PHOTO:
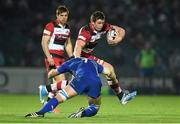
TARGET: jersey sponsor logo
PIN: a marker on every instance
(61, 37)
(61, 31)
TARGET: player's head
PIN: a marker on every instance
(62, 14)
(98, 20)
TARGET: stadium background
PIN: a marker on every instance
(158, 22)
(22, 63)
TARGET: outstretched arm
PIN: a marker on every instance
(62, 69)
(52, 73)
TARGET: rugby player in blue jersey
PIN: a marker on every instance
(86, 80)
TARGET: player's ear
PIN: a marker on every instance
(92, 22)
(56, 15)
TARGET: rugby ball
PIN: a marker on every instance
(115, 37)
(111, 36)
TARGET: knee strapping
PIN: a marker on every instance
(63, 94)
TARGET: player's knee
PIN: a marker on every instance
(96, 101)
(62, 96)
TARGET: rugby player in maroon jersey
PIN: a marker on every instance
(87, 40)
(55, 41)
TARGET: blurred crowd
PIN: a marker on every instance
(154, 21)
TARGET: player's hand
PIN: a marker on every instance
(115, 35)
(52, 73)
(50, 60)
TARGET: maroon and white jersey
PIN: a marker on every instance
(91, 36)
(59, 35)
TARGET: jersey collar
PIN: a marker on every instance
(58, 23)
(92, 28)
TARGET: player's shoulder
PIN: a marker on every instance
(50, 24)
(86, 28)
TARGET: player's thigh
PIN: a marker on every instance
(58, 62)
(108, 65)
(94, 87)
(102, 62)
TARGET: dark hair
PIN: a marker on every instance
(97, 15)
(60, 9)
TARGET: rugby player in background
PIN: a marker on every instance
(55, 40)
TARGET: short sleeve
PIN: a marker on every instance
(84, 35)
(48, 30)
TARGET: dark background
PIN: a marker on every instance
(156, 21)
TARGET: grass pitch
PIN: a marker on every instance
(143, 109)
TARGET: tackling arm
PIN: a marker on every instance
(61, 69)
(52, 73)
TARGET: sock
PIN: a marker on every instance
(120, 95)
(48, 87)
(52, 103)
(116, 88)
(90, 111)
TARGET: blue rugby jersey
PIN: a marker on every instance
(81, 67)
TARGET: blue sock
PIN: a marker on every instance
(90, 111)
(52, 103)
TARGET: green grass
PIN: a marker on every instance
(143, 109)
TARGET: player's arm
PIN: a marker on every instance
(44, 44)
(120, 33)
(52, 73)
(62, 69)
(45, 41)
(68, 47)
(78, 48)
